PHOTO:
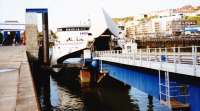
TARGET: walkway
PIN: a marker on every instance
(181, 60)
(17, 91)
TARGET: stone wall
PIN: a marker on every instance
(31, 33)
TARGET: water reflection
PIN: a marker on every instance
(150, 103)
(63, 92)
(109, 95)
(43, 89)
(147, 83)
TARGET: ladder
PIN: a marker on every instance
(170, 92)
(101, 67)
(164, 88)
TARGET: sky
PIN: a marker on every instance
(69, 12)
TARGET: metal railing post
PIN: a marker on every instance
(168, 88)
(166, 56)
(174, 58)
(155, 54)
(134, 53)
(160, 59)
(194, 59)
(140, 57)
(118, 56)
(159, 75)
(148, 56)
(179, 55)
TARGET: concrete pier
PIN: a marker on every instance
(17, 92)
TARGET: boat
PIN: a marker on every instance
(78, 37)
(70, 39)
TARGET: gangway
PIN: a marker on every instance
(179, 60)
(172, 94)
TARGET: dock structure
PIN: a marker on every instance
(172, 41)
(16, 83)
(180, 60)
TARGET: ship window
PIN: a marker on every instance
(59, 29)
(63, 29)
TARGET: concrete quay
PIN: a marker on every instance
(17, 91)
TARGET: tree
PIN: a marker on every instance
(197, 18)
(53, 34)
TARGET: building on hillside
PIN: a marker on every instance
(186, 10)
(172, 25)
(144, 29)
(138, 28)
(196, 13)
(130, 29)
(192, 30)
(122, 31)
(163, 25)
(122, 23)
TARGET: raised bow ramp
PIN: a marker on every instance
(100, 22)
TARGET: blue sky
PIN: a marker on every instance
(72, 11)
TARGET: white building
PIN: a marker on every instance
(11, 29)
(122, 30)
(130, 29)
(166, 25)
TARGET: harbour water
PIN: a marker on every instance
(123, 89)
(148, 82)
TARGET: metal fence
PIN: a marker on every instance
(182, 60)
(177, 55)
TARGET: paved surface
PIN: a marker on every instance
(8, 90)
(16, 86)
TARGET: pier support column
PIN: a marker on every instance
(31, 32)
(85, 77)
(89, 74)
(45, 38)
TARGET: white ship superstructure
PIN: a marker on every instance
(74, 38)
(70, 39)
